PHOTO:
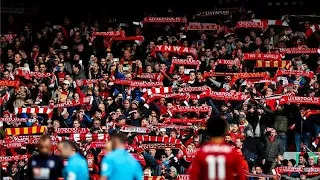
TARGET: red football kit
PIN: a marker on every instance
(217, 162)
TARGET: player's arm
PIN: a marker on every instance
(239, 169)
(71, 174)
(106, 168)
(138, 172)
(195, 167)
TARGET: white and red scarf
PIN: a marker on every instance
(38, 110)
(164, 20)
(212, 13)
(28, 74)
(109, 34)
(197, 26)
(160, 142)
(183, 177)
(309, 170)
(134, 129)
(299, 100)
(88, 136)
(72, 130)
(85, 100)
(260, 23)
(309, 74)
(173, 126)
(190, 109)
(298, 50)
(184, 62)
(228, 62)
(184, 121)
(13, 119)
(97, 144)
(135, 83)
(168, 90)
(14, 158)
(229, 96)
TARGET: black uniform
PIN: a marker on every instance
(42, 167)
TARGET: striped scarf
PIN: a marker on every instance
(25, 130)
(273, 64)
(88, 136)
(38, 110)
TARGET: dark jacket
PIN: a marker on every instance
(273, 148)
(281, 123)
(265, 121)
(254, 146)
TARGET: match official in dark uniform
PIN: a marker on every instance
(46, 165)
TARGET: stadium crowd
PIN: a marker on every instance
(158, 81)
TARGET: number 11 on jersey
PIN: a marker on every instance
(216, 167)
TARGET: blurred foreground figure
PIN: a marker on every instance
(45, 165)
(77, 166)
(119, 164)
(217, 160)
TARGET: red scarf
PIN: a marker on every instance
(72, 130)
(9, 83)
(184, 121)
(184, 62)
(175, 49)
(88, 136)
(13, 119)
(135, 84)
(189, 109)
(14, 158)
(228, 62)
(164, 20)
(299, 50)
(197, 26)
(312, 29)
(309, 74)
(256, 56)
(299, 100)
(34, 56)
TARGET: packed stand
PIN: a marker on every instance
(159, 80)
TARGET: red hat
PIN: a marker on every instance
(6, 112)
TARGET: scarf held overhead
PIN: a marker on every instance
(196, 26)
(25, 130)
(9, 83)
(164, 20)
(262, 56)
(37, 110)
(300, 100)
(175, 49)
